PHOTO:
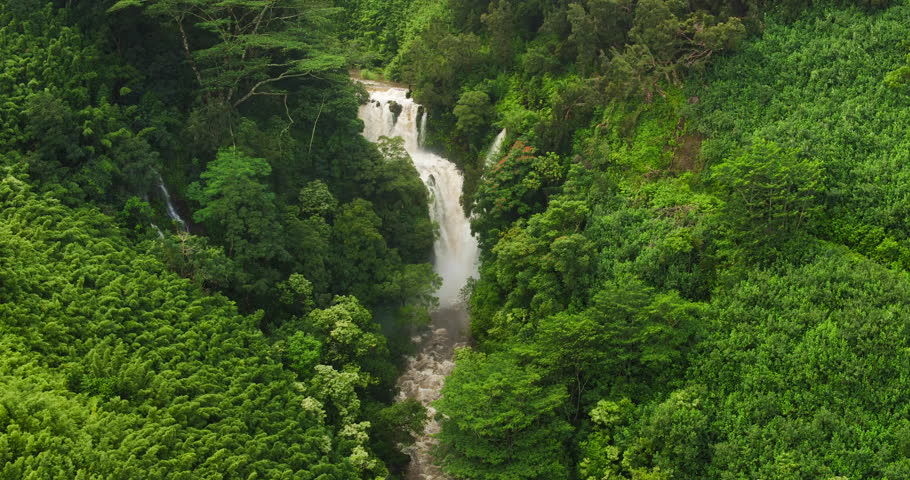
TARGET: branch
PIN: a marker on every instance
(289, 17)
(698, 55)
(287, 112)
(283, 76)
(315, 122)
(189, 53)
(257, 22)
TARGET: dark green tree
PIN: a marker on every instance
(243, 49)
(770, 195)
(361, 260)
(500, 21)
(400, 200)
(473, 112)
(394, 427)
(501, 421)
(238, 208)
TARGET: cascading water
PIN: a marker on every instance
(496, 147)
(456, 257)
(169, 205)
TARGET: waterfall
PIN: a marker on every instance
(496, 147)
(169, 205)
(456, 257)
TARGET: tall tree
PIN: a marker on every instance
(239, 209)
(500, 421)
(770, 193)
(240, 49)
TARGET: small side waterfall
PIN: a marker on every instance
(169, 205)
(496, 147)
(456, 257)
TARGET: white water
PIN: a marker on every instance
(160, 233)
(456, 256)
(493, 152)
(455, 249)
(169, 205)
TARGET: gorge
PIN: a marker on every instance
(390, 112)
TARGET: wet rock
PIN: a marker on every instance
(396, 110)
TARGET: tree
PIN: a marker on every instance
(192, 257)
(347, 333)
(500, 24)
(307, 236)
(238, 208)
(106, 353)
(631, 338)
(770, 195)
(666, 40)
(665, 440)
(437, 61)
(499, 420)
(361, 260)
(518, 186)
(81, 136)
(602, 453)
(603, 25)
(395, 427)
(466, 13)
(674, 438)
(304, 352)
(316, 199)
(777, 362)
(899, 78)
(400, 199)
(258, 47)
(473, 112)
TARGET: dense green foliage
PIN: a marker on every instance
(303, 254)
(855, 125)
(694, 245)
(114, 367)
(508, 424)
(70, 111)
(694, 241)
(550, 66)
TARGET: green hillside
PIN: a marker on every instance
(695, 240)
